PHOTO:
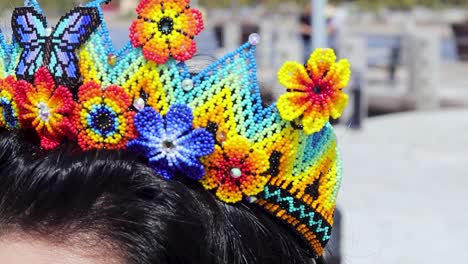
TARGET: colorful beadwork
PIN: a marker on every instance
(236, 169)
(46, 108)
(42, 46)
(9, 116)
(305, 196)
(211, 126)
(171, 145)
(4, 49)
(315, 92)
(166, 28)
(104, 119)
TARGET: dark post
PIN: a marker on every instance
(356, 90)
(333, 249)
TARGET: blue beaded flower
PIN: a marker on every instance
(170, 143)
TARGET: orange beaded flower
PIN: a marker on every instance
(236, 169)
(103, 117)
(166, 28)
(315, 92)
(9, 111)
(46, 108)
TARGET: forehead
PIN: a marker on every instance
(15, 250)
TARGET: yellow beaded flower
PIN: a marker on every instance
(236, 169)
(315, 92)
(166, 28)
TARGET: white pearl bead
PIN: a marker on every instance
(254, 39)
(139, 104)
(48, 31)
(44, 111)
(236, 173)
(187, 85)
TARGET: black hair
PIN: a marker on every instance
(117, 198)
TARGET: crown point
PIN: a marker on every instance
(254, 39)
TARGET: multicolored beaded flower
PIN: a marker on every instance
(171, 144)
(47, 109)
(104, 120)
(236, 169)
(166, 28)
(9, 109)
(315, 92)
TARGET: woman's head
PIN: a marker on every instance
(69, 206)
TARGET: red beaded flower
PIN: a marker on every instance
(236, 169)
(104, 120)
(47, 109)
(166, 28)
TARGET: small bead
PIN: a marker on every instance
(251, 199)
(236, 173)
(169, 145)
(48, 31)
(221, 136)
(139, 104)
(254, 39)
(111, 59)
(44, 111)
(187, 85)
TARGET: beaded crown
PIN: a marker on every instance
(67, 82)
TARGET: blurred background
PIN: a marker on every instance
(404, 136)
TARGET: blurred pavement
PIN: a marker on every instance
(404, 193)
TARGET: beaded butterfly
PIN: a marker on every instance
(3, 57)
(56, 48)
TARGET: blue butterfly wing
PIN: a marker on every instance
(72, 31)
(29, 32)
(3, 55)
